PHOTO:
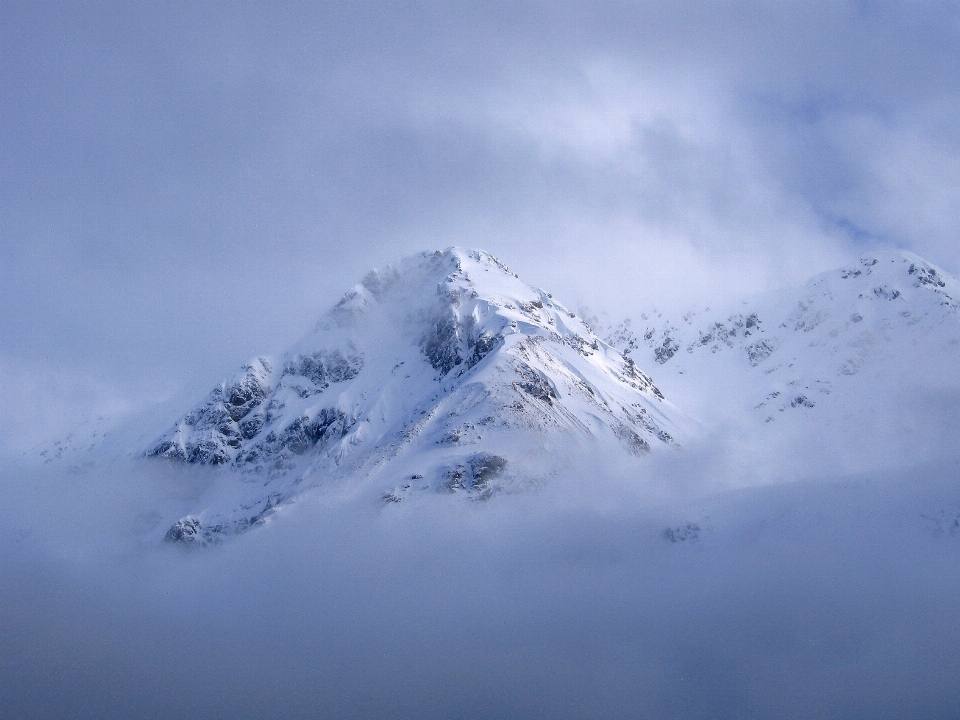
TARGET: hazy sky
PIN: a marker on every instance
(186, 185)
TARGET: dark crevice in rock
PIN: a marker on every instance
(452, 343)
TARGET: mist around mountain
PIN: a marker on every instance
(457, 498)
(442, 373)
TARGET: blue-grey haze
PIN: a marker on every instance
(183, 185)
(825, 599)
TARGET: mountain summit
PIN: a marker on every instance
(442, 373)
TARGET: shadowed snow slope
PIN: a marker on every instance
(444, 372)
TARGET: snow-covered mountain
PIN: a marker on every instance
(446, 374)
(857, 361)
(441, 373)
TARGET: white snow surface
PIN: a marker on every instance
(446, 375)
(855, 371)
(442, 373)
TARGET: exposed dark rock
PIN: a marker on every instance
(886, 292)
(190, 531)
(666, 350)
(209, 452)
(455, 479)
(535, 384)
(760, 351)
(483, 346)
(486, 467)
(184, 530)
(682, 533)
(926, 276)
(251, 426)
(324, 368)
(623, 338)
(300, 435)
(635, 444)
(218, 419)
(638, 379)
(451, 437)
(167, 449)
(530, 308)
(442, 345)
(581, 344)
(453, 343)
(807, 322)
(248, 392)
(476, 476)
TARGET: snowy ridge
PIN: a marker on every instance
(438, 373)
(445, 373)
(853, 348)
(895, 276)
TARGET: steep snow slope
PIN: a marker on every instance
(858, 365)
(444, 372)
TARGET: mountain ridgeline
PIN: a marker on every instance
(442, 373)
(854, 370)
(446, 374)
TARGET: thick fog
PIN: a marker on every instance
(184, 186)
(610, 592)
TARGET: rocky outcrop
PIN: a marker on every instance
(213, 433)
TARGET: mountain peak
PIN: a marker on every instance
(444, 367)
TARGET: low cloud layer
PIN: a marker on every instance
(593, 596)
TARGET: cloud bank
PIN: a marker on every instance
(594, 596)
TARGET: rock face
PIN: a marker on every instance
(437, 374)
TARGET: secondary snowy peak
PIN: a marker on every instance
(881, 291)
(856, 358)
(442, 372)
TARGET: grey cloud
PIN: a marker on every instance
(810, 599)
